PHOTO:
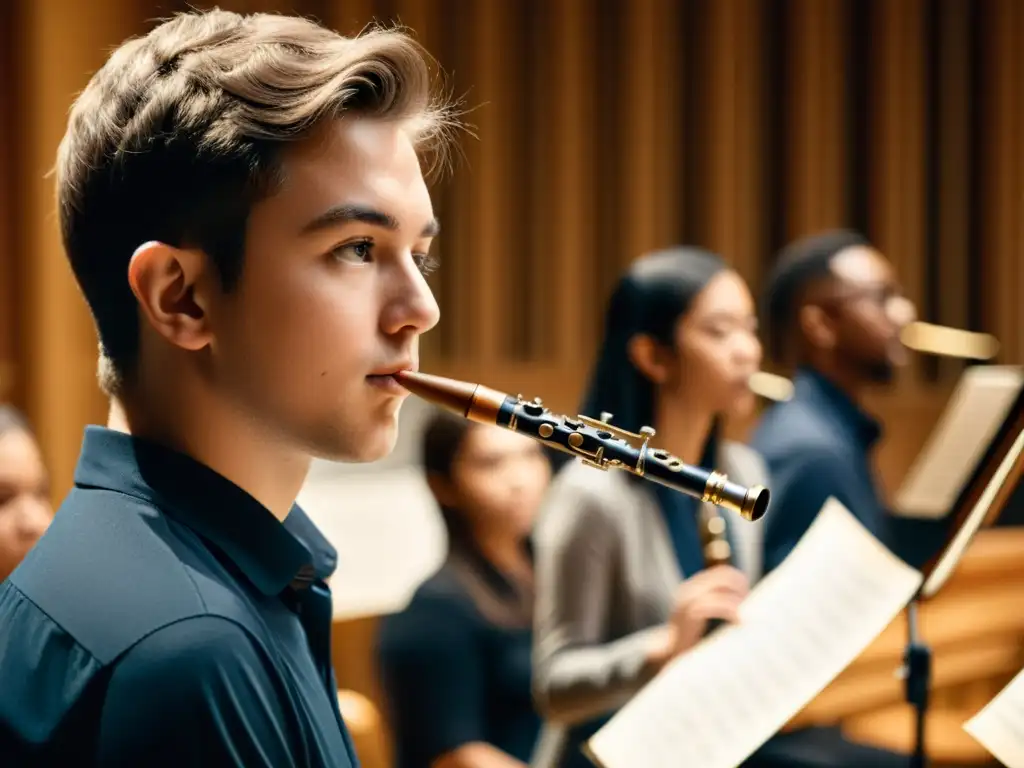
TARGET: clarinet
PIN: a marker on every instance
(595, 442)
(716, 548)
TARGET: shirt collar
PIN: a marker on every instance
(270, 554)
(810, 386)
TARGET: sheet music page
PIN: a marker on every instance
(947, 562)
(801, 626)
(976, 410)
(999, 726)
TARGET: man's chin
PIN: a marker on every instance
(374, 442)
(378, 444)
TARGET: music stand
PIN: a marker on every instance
(978, 505)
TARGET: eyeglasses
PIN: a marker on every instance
(887, 297)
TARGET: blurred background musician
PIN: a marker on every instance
(833, 309)
(621, 580)
(25, 510)
(455, 664)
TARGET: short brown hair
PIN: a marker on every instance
(180, 133)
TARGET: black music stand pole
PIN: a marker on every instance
(917, 674)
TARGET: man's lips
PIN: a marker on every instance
(387, 383)
(391, 370)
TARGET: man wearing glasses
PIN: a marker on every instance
(833, 310)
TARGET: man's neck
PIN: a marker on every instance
(225, 442)
(852, 386)
(682, 429)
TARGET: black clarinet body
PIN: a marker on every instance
(595, 442)
(600, 444)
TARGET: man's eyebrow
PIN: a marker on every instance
(345, 214)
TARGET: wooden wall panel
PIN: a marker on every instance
(734, 116)
(489, 206)
(562, 263)
(949, 169)
(10, 201)
(61, 47)
(1002, 182)
(899, 142)
(650, 124)
(815, 112)
(601, 130)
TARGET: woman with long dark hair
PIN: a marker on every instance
(25, 510)
(455, 664)
(623, 585)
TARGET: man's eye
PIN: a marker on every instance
(358, 252)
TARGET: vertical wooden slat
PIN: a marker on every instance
(61, 47)
(490, 206)
(349, 16)
(692, 97)
(1001, 235)
(608, 86)
(651, 128)
(816, 128)
(567, 245)
(1013, 289)
(538, 279)
(734, 181)
(860, 51)
(951, 223)
(898, 204)
(1011, 282)
(455, 246)
(9, 272)
(519, 87)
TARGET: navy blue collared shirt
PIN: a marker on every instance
(817, 444)
(167, 618)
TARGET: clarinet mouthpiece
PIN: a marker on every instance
(470, 401)
(451, 395)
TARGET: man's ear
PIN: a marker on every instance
(817, 327)
(172, 288)
(648, 357)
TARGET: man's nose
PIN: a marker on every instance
(413, 307)
(900, 311)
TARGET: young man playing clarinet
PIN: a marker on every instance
(242, 203)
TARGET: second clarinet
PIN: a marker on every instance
(596, 442)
